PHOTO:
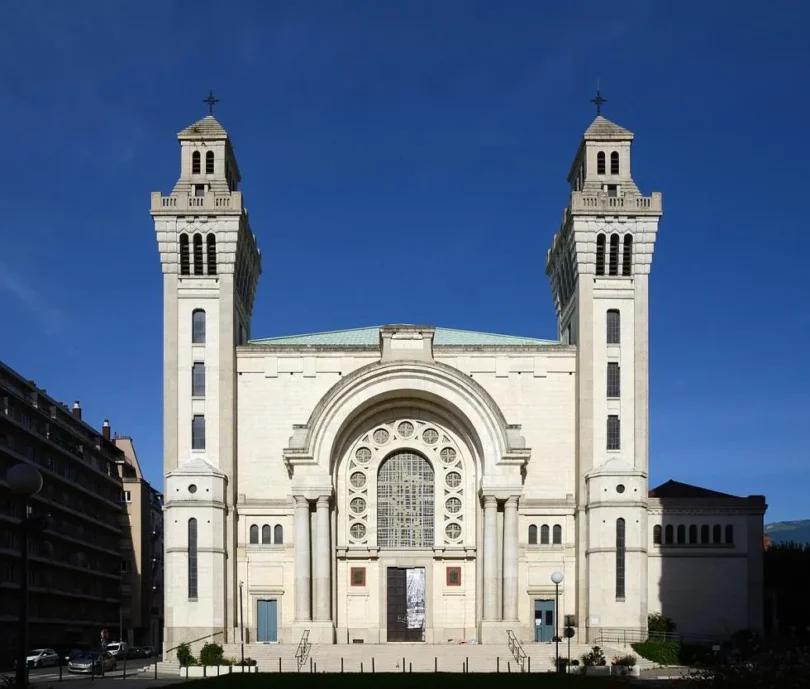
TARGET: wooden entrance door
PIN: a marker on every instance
(398, 608)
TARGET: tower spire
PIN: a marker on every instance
(211, 102)
(598, 101)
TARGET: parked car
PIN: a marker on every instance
(94, 662)
(119, 649)
(148, 651)
(42, 657)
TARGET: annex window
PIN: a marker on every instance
(192, 558)
(544, 534)
(198, 432)
(198, 326)
(254, 534)
(613, 433)
(729, 534)
(704, 534)
(198, 255)
(185, 263)
(614, 254)
(278, 534)
(600, 254)
(600, 163)
(613, 379)
(657, 534)
(620, 559)
(195, 163)
(614, 163)
(614, 335)
(681, 534)
(693, 534)
(405, 502)
(716, 534)
(211, 253)
(267, 535)
(209, 163)
(627, 255)
(556, 535)
(199, 190)
(669, 534)
(198, 379)
(613, 191)
(532, 535)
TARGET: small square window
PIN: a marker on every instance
(358, 576)
(454, 576)
(612, 190)
(199, 190)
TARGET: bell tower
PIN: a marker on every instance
(599, 265)
(211, 266)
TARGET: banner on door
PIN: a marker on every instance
(415, 598)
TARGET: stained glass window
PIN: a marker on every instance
(405, 500)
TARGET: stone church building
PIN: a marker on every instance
(419, 483)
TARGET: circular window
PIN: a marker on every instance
(192, 488)
(358, 531)
(358, 505)
(430, 436)
(405, 429)
(620, 488)
(453, 505)
(453, 479)
(363, 455)
(448, 455)
(453, 531)
(381, 436)
(358, 479)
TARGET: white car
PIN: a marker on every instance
(42, 657)
(118, 649)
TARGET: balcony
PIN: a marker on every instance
(600, 204)
(193, 205)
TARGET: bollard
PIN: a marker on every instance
(186, 673)
(435, 664)
(508, 667)
(467, 664)
(217, 670)
(498, 664)
(60, 672)
(316, 668)
(410, 667)
(205, 671)
(92, 672)
(156, 662)
(530, 664)
(403, 664)
(310, 663)
(341, 664)
(361, 667)
(373, 666)
(279, 664)
(124, 672)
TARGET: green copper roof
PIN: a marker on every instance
(370, 337)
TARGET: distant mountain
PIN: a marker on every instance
(784, 532)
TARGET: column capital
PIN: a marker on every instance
(301, 501)
(489, 500)
(323, 501)
(511, 502)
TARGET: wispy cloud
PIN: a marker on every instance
(50, 317)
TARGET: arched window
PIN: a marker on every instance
(267, 535)
(192, 558)
(614, 254)
(681, 534)
(405, 496)
(716, 534)
(704, 534)
(195, 163)
(620, 548)
(209, 163)
(544, 534)
(627, 255)
(613, 326)
(657, 534)
(185, 263)
(532, 534)
(614, 163)
(556, 535)
(198, 255)
(729, 534)
(198, 326)
(211, 249)
(254, 534)
(278, 534)
(669, 534)
(693, 534)
(600, 254)
(600, 163)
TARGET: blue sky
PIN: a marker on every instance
(406, 162)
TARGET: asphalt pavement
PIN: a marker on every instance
(51, 675)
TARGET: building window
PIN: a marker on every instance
(614, 331)
(716, 534)
(620, 558)
(453, 576)
(613, 433)
(544, 534)
(198, 326)
(613, 191)
(209, 163)
(267, 535)
(211, 253)
(729, 534)
(358, 576)
(600, 254)
(192, 558)
(195, 163)
(254, 534)
(405, 502)
(613, 380)
(614, 163)
(600, 163)
(556, 535)
(693, 538)
(199, 190)
(627, 255)
(126, 496)
(198, 379)
(198, 432)
(614, 254)
(198, 255)
(532, 535)
(669, 534)
(681, 534)
(704, 534)
(184, 255)
(657, 534)
(278, 534)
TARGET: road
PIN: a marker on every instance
(48, 675)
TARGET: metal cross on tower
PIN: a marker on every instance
(598, 101)
(211, 102)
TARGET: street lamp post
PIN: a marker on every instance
(242, 622)
(25, 481)
(557, 578)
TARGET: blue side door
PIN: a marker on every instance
(543, 620)
(268, 621)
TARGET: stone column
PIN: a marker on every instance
(490, 558)
(303, 605)
(510, 560)
(322, 589)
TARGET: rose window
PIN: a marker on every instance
(453, 531)
(358, 505)
(363, 455)
(405, 429)
(358, 479)
(453, 505)
(453, 479)
(358, 531)
(381, 436)
(431, 436)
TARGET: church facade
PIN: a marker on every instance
(410, 483)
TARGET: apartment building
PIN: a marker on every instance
(74, 570)
(141, 552)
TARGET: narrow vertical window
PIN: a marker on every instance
(211, 251)
(716, 533)
(729, 534)
(198, 432)
(254, 534)
(613, 327)
(657, 534)
(669, 534)
(600, 163)
(614, 163)
(614, 254)
(556, 535)
(681, 534)
(185, 263)
(209, 163)
(600, 254)
(195, 163)
(198, 379)
(613, 433)
(704, 534)
(693, 534)
(532, 534)
(613, 379)
(266, 535)
(198, 255)
(198, 326)
(627, 255)
(544, 534)
(620, 549)
(192, 558)
(278, 534)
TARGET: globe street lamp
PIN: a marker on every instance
(25, 481)
(557, 578)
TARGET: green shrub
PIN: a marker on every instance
(628, 660)
(660, 652)
(659, 624)
(594, 657)
(184, 656)
(212, 654)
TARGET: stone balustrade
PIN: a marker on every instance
(197, 204)
(601, 203)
